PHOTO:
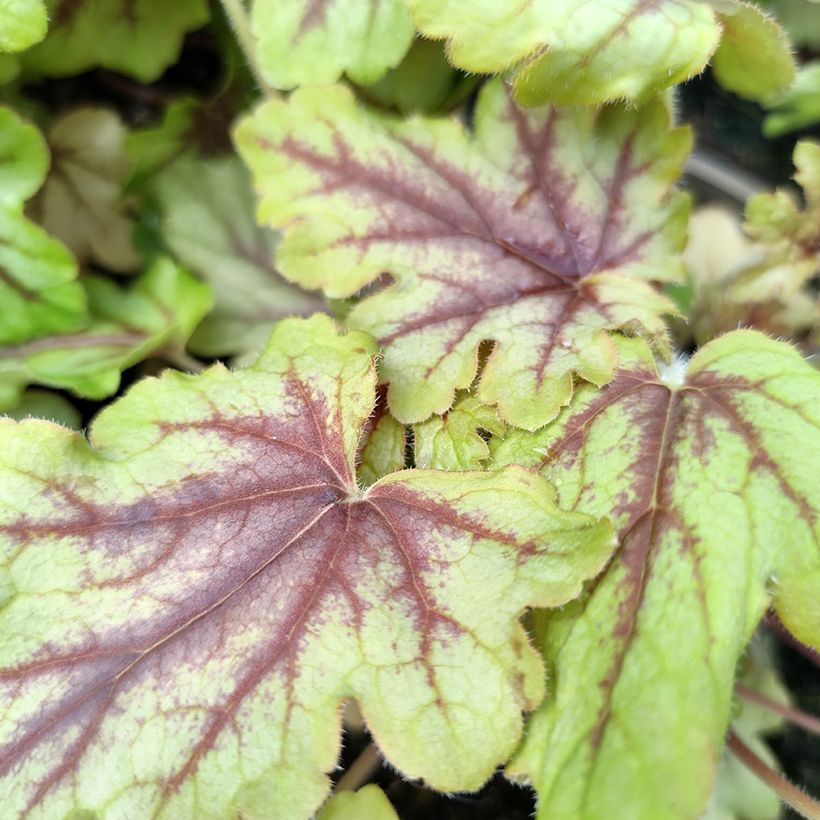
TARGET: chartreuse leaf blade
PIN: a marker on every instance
(369, 802)
(539, 232)
(575, 53)
(313, 42)
(384, 446)
(798, 107)
(38, 288)
(709, 478)
(191, 597)
(207, 221)
(136, 37)
(22, 24)
(158, 312)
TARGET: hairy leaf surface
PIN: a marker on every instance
(38, 288)
(22, 24)
(190, 598)
(384, 444)
(313, 42)
(81, 201)
(207, 221)
(710, 479)
(137, 37)
(159, 311)
(539, 232)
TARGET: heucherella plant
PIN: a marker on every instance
(458, 477)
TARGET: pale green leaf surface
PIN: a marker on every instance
(45, 404)
(453, 441)
(710, 479)
(159, 310)
(22, 24)
(575, 53)
(136, 37)
(540, 231)
(313, 42)
(192, 594)
(800, 18)
(754, 58)
(207, 221)
(384, 444)
(368, 803)
(799, 107)
(81, 202)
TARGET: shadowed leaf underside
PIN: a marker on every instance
(189, 599)
(539, 231)
(710, 480)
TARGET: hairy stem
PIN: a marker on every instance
(790, 794)
(237, 15)
(361, 770)
(795, 716)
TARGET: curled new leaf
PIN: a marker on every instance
(540, 232)
(306, 42)
(188, 600)
(710, 479)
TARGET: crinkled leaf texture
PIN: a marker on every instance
(157, 312)
(539, 231)
(39, 292)
(189, 599)
(710, 479)
(22, 24)
(137, 37)
(313, 42)
(207, 221)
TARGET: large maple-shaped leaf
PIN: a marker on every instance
(307, 42)
(158, 312)
(710, 479)
(137, 37)
(22, 24)
(537, 232)
(39, 292)
(594, 51)
(188, 600)
(207, 221)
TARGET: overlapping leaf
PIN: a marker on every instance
(81, 202)
(38, 288)
(538, 232)
(188, 600)
(158, 312)
(22, 24)
(710, 480)
(799, 107)
(383, 446)
(207, 221)
(137, 37)
(368, 803)
(594, 51)
(306, 42)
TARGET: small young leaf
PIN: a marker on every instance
(160, 310)
(208, 223)
(452, 441)
(539, 232)
(189, 599)
(369, 803)
(798, 107)
(44, 404)
(580, 52)
(137, 37)
(710, 479)
(81, 201)
(39, 292)
(22, 24)
(384, 446)
(313, 42)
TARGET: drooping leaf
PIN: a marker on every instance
(754, 57)
(538, 232)
(137, 37)
(383, 445)
(189, 599)
(368, 803)
(799, 107)
(22, 24)
(313, 42)
(208, 223)
(453, 441)
(159, 311)
(81, 201)
(710, 478)
(38, 288)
